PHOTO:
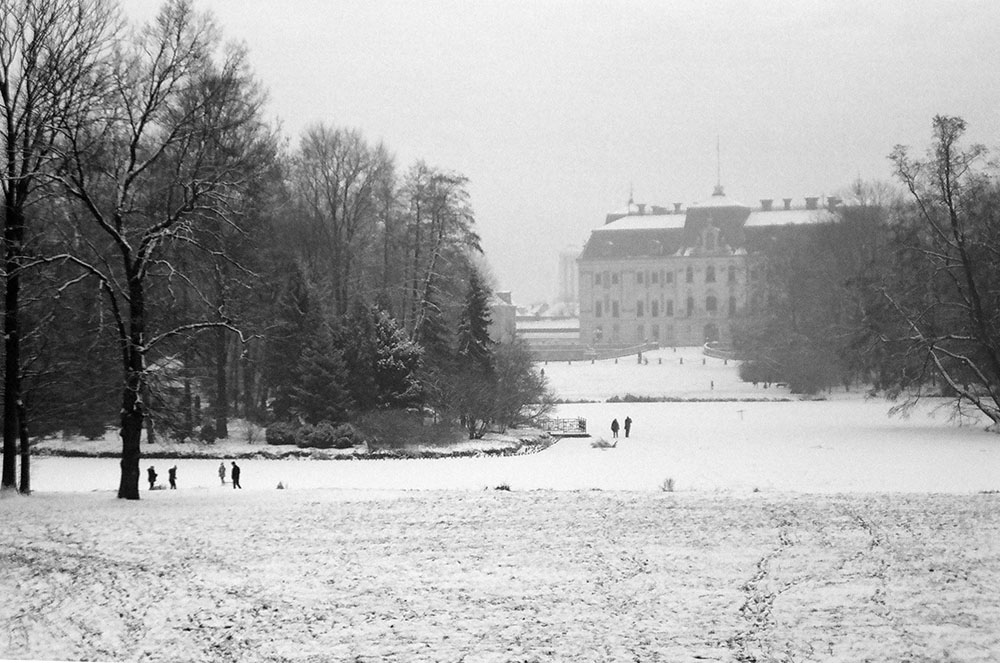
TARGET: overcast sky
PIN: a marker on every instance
(554, 109)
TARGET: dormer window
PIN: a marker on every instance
(710, 238)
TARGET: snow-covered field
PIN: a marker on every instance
(329, 575)
(799, 530)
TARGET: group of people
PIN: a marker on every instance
(235, 474)
(615, 427)
(172, 476)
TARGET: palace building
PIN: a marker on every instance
(678, 276)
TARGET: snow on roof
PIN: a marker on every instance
(718, 199)
(645, 222)
(789, 217)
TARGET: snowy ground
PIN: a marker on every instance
(329, 575)
(800, 530)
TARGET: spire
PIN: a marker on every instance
(718, 169)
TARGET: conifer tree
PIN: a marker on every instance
(474, 342)
(297, 321)
(319, 392)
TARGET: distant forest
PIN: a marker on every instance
(170, 262)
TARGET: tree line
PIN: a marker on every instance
(170, 263)
(900, 293)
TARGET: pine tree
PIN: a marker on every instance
(319, 393)
(397, 362)
(475, 347)
(297, 322)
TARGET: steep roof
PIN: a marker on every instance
(632, 242)
(787, 217)
(634, 235)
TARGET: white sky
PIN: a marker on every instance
(553, 109)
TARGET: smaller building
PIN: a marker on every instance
(503, 314)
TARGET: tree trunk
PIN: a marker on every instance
(13, 238)
(221, 386)
(248, 385)
(22, 417)
(187, 405)
(132, 408)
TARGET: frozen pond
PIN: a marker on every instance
(845, 445)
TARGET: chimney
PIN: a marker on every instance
(832, 202)
(642, 208)
(677, 208)
(788, 203)
(765, 204)
(811, 202)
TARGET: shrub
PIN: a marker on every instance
(207, 433)
(326, 435)
(93, 430)
(668, 485)
(280, 433)
(400, 429)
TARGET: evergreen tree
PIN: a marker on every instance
(297, 322)
(319, 392)
(475, 347)
(382, 361)
(397, 361)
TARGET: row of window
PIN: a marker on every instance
(640, 334)
(664, 277)
(711, 307)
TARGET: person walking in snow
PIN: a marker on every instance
(614, 428)
(236, 476)
(151, 475)
(628, 425)
(222, 473)
(172, 477)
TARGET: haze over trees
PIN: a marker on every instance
(163, 235)
(900, 294)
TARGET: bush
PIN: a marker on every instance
(401, 429)
(93, 430)
(207, 433)
(280, 433)
(326, 435)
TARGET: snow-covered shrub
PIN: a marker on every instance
(280, 433)
(207, 432)
(326, 435)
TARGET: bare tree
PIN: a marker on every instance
(945, 290)
(175, 142)
(440, 240)
(338, 176)
(50, 54)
